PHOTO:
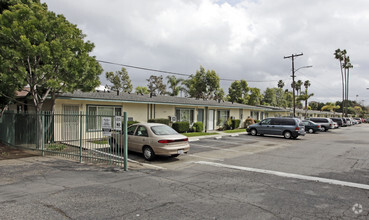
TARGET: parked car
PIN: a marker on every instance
(335, 125)
(288, 127)
(325, 123)
(152, 139)
(339, 121)
(349, 122)
(311, 126)
(344, 122)
(358, 120)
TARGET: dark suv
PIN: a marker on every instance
(288, 127)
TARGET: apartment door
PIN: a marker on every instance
(211, 120)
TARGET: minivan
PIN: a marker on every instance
(288, 127)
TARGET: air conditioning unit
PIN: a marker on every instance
(173, 118)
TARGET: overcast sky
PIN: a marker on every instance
(239, 39)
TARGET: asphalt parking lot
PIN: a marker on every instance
(319, 176)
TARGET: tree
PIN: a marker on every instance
(203, 84)
(173, 83)
(120, 80)
(255, 96)
(156, 85)
(270, 97)
(330, 107)
(298, 87)
(141, 90)
(304, 96)
(280, 84)
(219, 95)
(238, 92)
(45, 51)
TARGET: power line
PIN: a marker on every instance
(169, 72)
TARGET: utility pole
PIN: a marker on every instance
(293, 79)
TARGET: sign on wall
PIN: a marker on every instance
(106, 126)
(118, 123)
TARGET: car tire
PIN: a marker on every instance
(287, 134)
(113, 144)
(148, 153)
(253, 132)
(311, 130)
(324, 129)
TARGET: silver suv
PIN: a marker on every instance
(325, 123)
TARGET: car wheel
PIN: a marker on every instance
(311, 131)
(253, 132)
(324, 128)
(113, 144)
(287, 134)
(148, 153)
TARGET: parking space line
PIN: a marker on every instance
(216, 148)
(207, 158)
(288, 175)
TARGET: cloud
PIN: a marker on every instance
(238, 39)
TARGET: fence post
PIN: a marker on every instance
(125, 141)
(80, 137)
(43, 134)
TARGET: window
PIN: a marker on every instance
(142, 131)
(200, 115)
(185, 115)
(266, 121)
(222, 116)
(255, 115)
(94, 114)
(163, 130)
(131, 130)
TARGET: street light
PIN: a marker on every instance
(293, 87)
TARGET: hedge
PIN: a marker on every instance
(160, 120)
(198, 126)
(236, 123)
(129, 123)
(181, 126)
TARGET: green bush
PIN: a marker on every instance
(228, 124)
(160, 120)
(198, 126)
(257, 121)
(236, 123)
(181, 126)
(129, 123)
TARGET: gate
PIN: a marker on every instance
(69, 134)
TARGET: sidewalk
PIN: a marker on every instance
(216, 136)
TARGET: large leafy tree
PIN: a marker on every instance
(44, 51)
(270, 97)
(120, 80)
(239, 92)
(255, 97)
(156, 85)
(204, 84)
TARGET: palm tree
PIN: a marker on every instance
(338, 54)
(298, 86)
(174, 85)
(280, 84)
(307, 84)
(304, 96)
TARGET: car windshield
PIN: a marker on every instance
(163, 130)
